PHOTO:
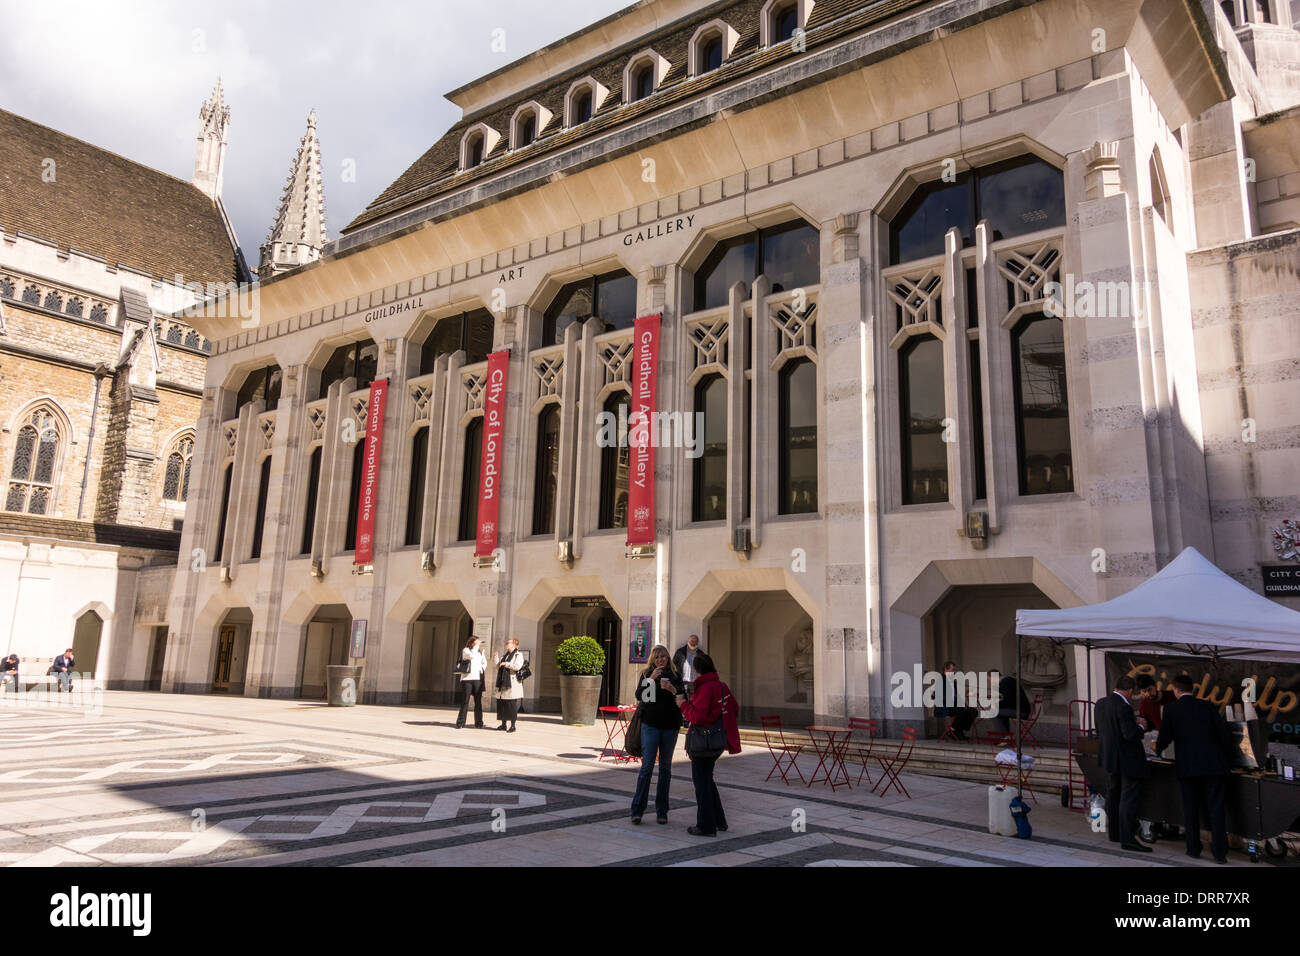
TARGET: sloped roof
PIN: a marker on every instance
(436, 172)
(109, 206)
(1190, 606)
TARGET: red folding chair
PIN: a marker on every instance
(1007, 771)
(863, 729)
(893, 764)
(1027, 724)
(948, 732)
(783, 754)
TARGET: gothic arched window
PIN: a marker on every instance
(35, 461)
(176, 480)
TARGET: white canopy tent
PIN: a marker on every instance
(1190, 607)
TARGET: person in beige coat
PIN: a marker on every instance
(510, 689)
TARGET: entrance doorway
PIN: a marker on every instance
(230, 660)
(438, 634)
(85, 642)
(157, 655)
(327, 643)
(762, 643)
(607, 634)
(225, 658)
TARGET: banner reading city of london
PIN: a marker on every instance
(369, 494)
(641, 452)
(494, 428)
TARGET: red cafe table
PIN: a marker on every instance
(830, 743)
(615, 720)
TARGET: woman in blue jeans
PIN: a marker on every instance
(660, 721)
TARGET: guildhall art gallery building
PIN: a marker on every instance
(978, 306)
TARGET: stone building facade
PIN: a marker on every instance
(100, 387)
(972, 298)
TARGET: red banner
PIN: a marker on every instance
(369, 494)
(641, 452)
(489, 476)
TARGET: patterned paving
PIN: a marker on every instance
(170, 780)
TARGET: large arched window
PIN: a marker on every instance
(546, 476)
(176, 479)
(415, 492)
(313, 492)
(614, 461)
(259, 518)
(610, 297)
(359, 360)
(224, 514)
(1018, 196)
(468, 530)
(354, 493)
(798, 438)
(1042, 406)
(709, 500)
(37, 448)
(471, 331)
(788, 254)
(260, 385)
(925, 454)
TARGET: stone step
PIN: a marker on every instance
(973, 762)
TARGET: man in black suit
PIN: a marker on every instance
(1121, 755)
(1201, 743)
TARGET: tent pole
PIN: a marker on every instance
(1083, 724)
(1020, 725)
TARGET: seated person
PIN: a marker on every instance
(948, 704)
(1006, 709)
(9, 672)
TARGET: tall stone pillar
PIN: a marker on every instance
(846, 446)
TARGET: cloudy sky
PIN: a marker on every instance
(130, 76)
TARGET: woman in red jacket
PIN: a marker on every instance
(704, 709)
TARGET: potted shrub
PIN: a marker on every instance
(581, 661)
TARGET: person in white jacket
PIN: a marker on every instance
(471, 682)
(510, 689)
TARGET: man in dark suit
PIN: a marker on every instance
(1201, 743)
(1121, 755)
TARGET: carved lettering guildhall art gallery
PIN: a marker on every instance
(978, 306)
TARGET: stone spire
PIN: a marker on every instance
(299, 230)
(210, 157)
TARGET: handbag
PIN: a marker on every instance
(524, 672)
(632, 737)
(462, 666)
(708, 741)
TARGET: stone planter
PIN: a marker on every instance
(579, 698)
(342, 684)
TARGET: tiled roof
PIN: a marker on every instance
(436, 172)
(100, 203)
(125, 536)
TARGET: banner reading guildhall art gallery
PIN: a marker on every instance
(489, 478)
(369, 494)
(641, 451)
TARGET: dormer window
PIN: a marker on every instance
(782, 19)
(710, 47)
(527, 122)
(785, 22)
(644, 73)
(476, 144)
(582, 101)
(525, 130)
(643, 82)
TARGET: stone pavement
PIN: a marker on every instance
(159, 779)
